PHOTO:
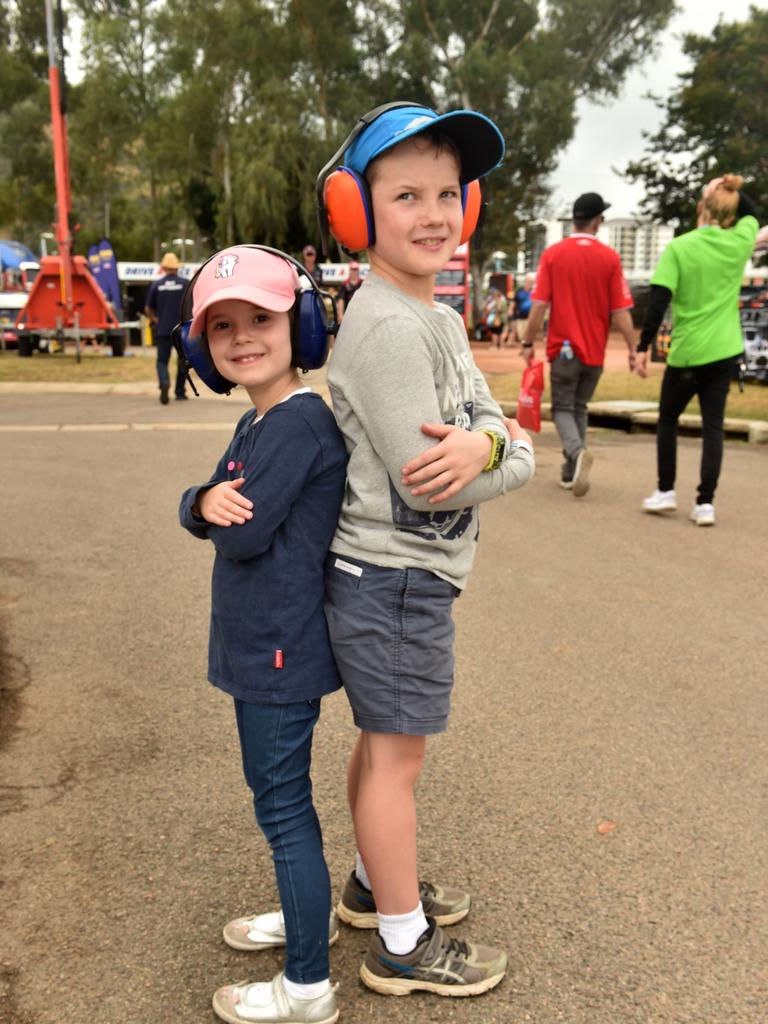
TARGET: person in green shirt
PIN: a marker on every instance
(700, 272)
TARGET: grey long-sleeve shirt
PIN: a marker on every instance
(398, 363)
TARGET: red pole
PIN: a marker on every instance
(61, 169)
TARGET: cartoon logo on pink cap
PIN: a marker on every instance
(226, 265)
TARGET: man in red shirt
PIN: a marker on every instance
(581, 280)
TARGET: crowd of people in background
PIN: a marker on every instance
(505, 316)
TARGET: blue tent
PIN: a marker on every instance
(12, 254)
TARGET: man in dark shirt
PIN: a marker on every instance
(348, 289)
(309, 259)
(163, 307)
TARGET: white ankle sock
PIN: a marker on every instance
(296, 991)
(360, 873)
(401, 932)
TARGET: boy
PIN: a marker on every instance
(402, 369)
(270, 510)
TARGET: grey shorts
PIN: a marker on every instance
(392, 636)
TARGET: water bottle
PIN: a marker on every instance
(566, 352)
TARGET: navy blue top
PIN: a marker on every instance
(268, 639)
(523, 303)
(164, 298)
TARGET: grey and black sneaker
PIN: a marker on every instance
(357, 906)
(439, 964)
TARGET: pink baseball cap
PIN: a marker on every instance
(243, 272)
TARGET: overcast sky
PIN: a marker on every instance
(611, 136)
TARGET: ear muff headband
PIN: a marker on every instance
(472, 205)
(344, 206)
(349, 209)
(332, 216)
(320, 189)
(310, 329)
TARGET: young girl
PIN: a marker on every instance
(270, 508)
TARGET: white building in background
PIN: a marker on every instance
(639, 243)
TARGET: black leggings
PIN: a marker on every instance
(710, 382)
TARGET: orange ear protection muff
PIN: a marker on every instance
(344, 207)
(311, 328)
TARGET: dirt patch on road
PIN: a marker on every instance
(10, 1013)
(14, 672)
(14, 676)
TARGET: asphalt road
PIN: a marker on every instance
(611, 668)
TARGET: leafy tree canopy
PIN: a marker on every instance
(716, 121)
(26, 170)
(212, 121)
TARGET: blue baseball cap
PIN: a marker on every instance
(478, 140)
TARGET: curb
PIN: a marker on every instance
(134, 389)
(137, 389)
(643, 417)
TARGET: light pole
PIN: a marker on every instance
(183, 242)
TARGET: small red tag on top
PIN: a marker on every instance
(278, 659)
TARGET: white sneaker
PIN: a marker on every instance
(581, 470)
(661, 501)
(265, 931)
(703, 515)
(269, 1003)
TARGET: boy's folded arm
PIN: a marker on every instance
(275, 474)
(515, 471)
(393, 397)
(488, 414)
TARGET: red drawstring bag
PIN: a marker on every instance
(529, 399)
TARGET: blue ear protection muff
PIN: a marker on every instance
(344, 206)
(311, 329)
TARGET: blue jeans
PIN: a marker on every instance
(276, 743)
(164, 348)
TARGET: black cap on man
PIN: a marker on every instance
(588, 206)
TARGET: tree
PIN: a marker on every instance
(26, 166)
(214, 121)
(525, 64)
(120, 138)
(715, 121)
(256, 86)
